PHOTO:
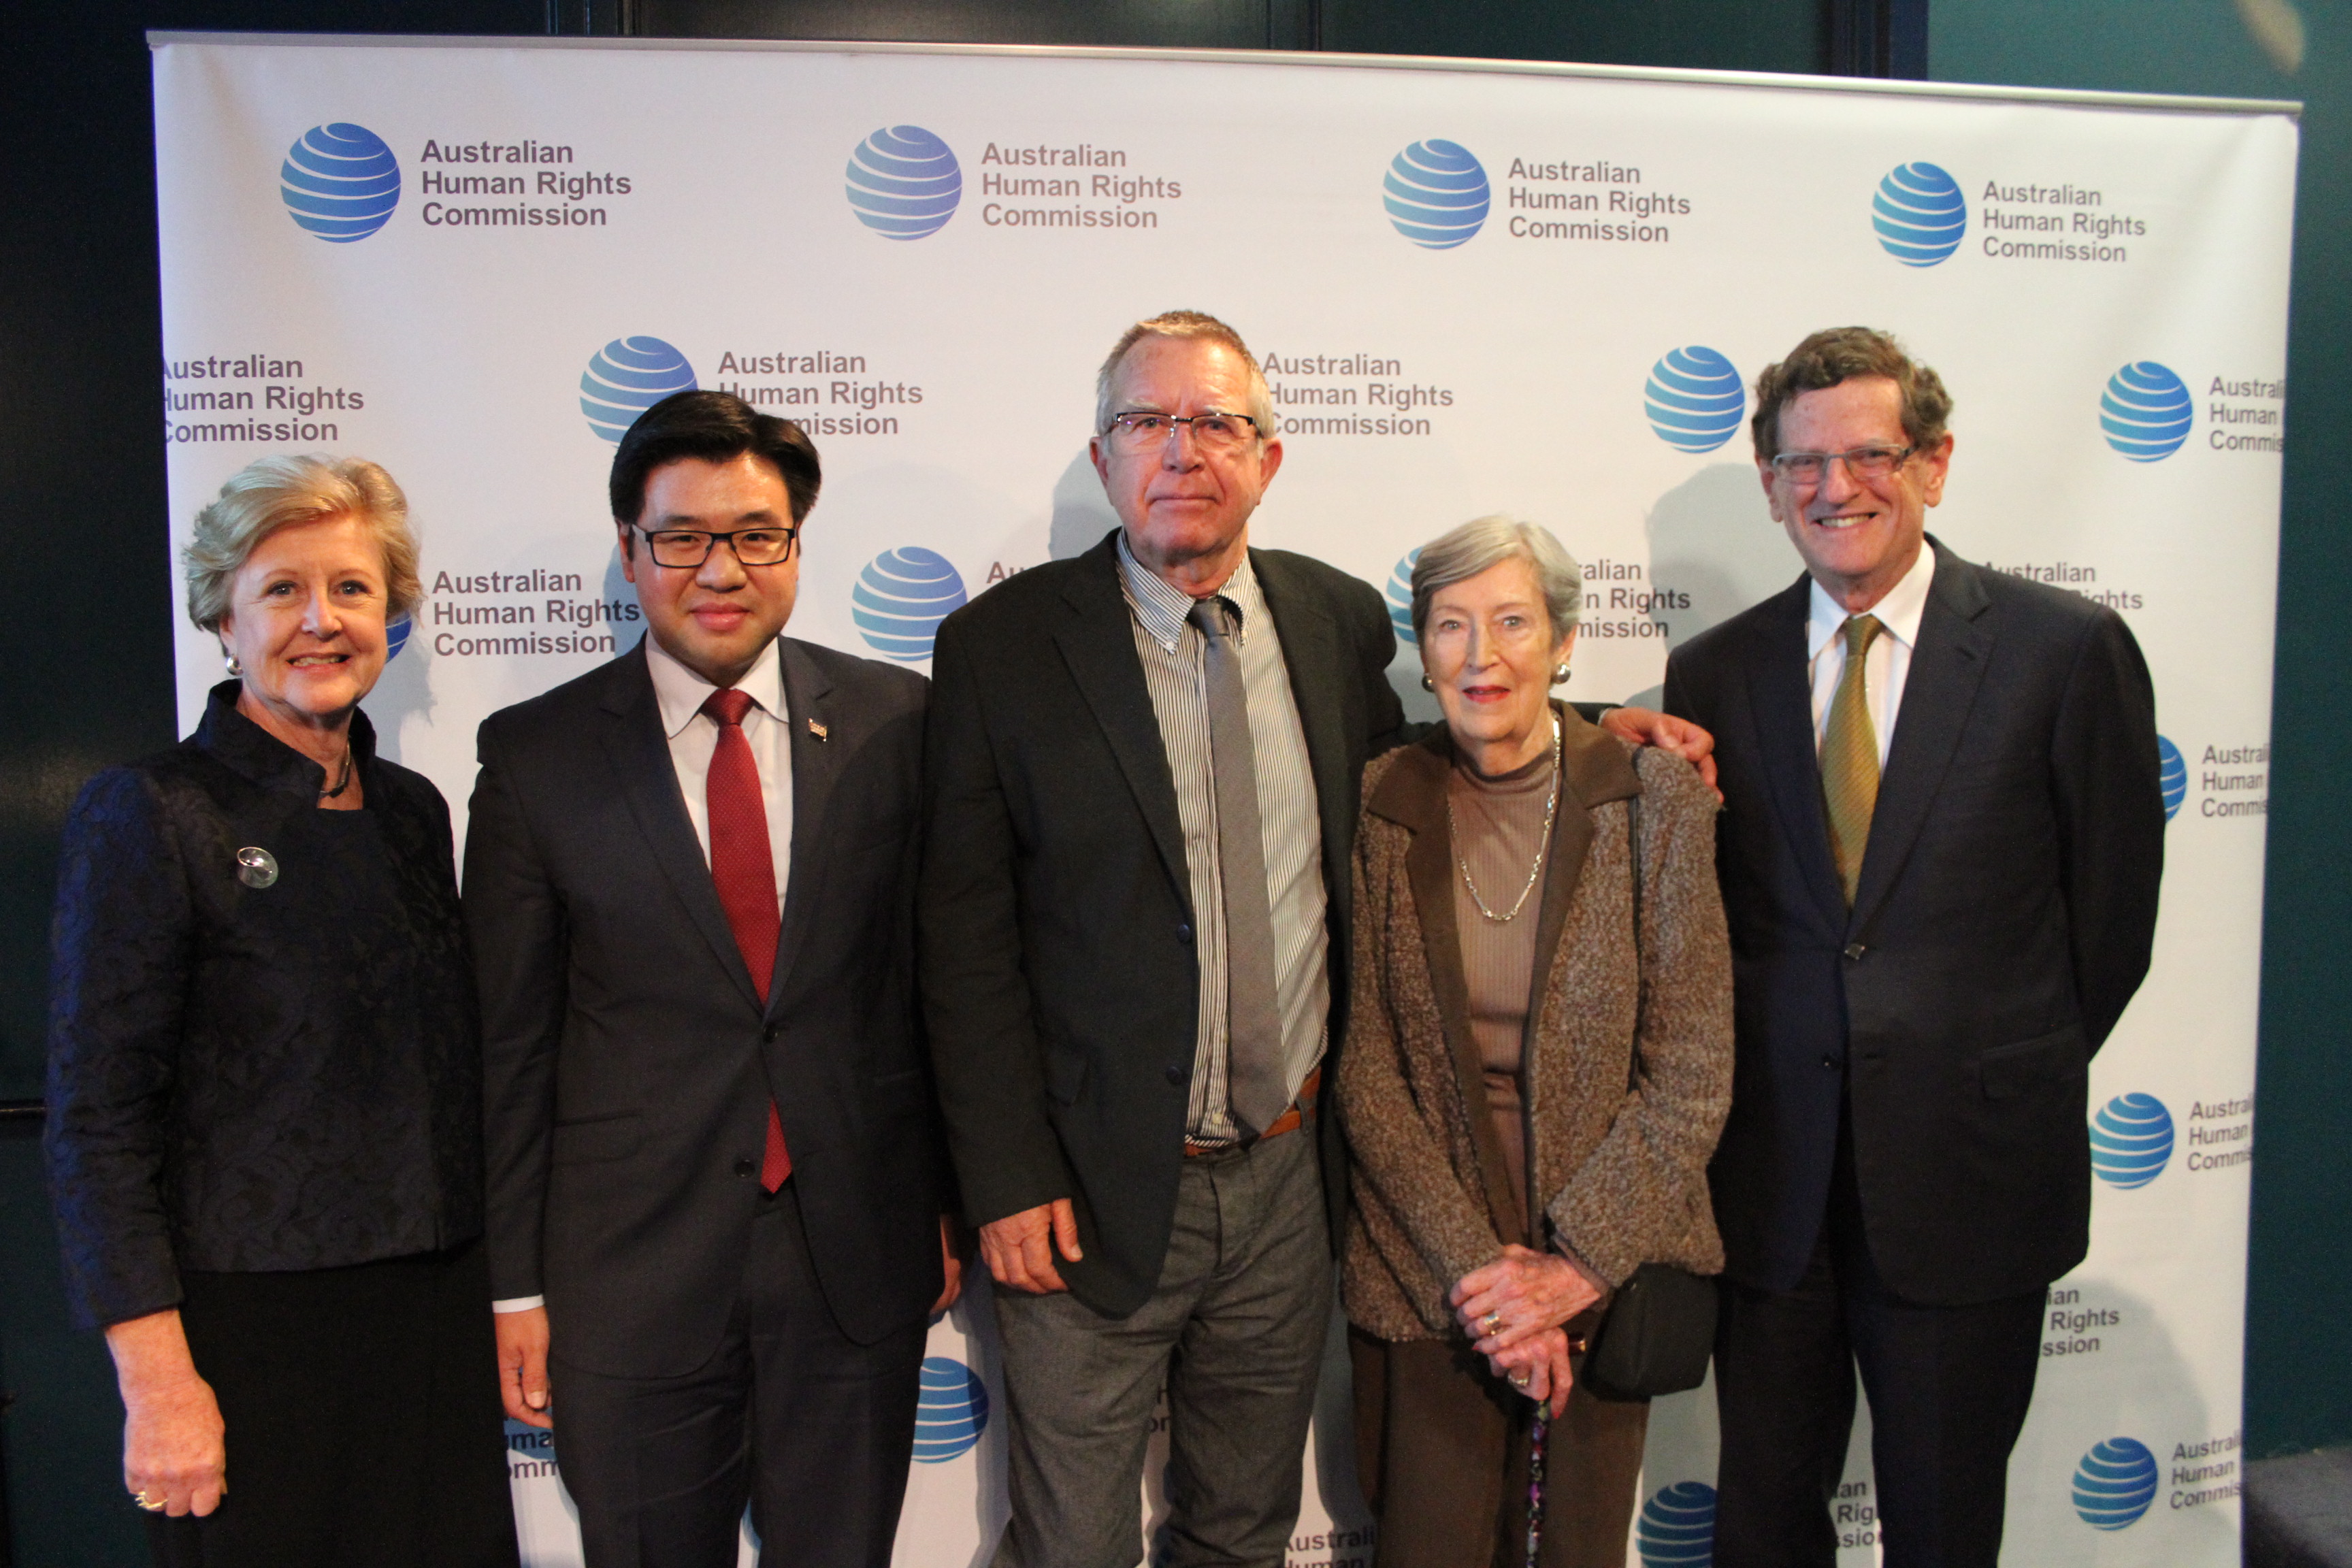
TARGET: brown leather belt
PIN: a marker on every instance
(1289, 1121)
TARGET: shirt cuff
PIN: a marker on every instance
(517, 1303)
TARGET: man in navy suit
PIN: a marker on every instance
(1939, 853)
(715, 1177)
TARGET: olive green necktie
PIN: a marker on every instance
(1849, 758)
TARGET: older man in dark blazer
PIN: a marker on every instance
(1940, 855)
(715, 1182)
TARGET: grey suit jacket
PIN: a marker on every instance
(629, 1061)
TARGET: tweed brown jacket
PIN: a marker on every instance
(1616, 1157)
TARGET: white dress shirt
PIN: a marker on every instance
(693, 740)
(1886, 666)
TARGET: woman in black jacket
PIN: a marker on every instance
(265, 1129)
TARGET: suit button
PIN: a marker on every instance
(1177, 1075)
(743, 1167)
(771, 1032)
(1853, 951)
(1830, 1062)
(1184, 933)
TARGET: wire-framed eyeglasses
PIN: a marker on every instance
(1140, 430)
(1865, 463)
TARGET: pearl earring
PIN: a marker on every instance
(1427, 684)
(234, 669)
(1560, 675)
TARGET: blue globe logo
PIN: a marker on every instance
(627, 376)
(2172, 776)
(1401, 598)
(2115, 1483)
(339, 181)
(1693, 399)
(1676, 1528)
(395, 636)
(1436, 194)
(2131, 1139)
(904, 183)
(900, 599)
(950, 1411)
(1919, 214)
(2145, 412)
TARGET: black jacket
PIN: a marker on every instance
(1059, 979)
(2005, 915)
(629, 1063)
(255, 1078)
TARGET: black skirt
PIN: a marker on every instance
(363, 1424)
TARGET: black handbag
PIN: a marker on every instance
(1658, 1331)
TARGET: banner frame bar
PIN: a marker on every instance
(158, 38)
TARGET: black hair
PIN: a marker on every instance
(717, 427)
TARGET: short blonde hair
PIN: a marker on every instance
(1187, 324)
(278, 492)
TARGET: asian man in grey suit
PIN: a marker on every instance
(1939, 856)
(716, 1186)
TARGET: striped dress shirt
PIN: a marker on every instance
(1173, 652)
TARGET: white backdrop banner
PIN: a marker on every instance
(1539, 290)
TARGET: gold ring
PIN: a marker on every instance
(152, 1505)
(1492, 1322)
(1520, 1379)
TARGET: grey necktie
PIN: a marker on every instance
(1256, 1085)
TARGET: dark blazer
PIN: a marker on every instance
(255, 1078)
(1059, 977)
(629, 1063)
(2006, 909)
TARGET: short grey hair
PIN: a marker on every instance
(1187, 324)
(1485, 541)
(279, 492)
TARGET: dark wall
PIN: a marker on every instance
(2298, 1371)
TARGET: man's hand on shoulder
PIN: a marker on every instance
(1020, 1247)
(523, 1366)
(1648, 727)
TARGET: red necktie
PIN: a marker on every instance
(744, 869)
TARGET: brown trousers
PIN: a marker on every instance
(1441, 1453)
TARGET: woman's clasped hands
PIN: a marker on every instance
(1513, 1310)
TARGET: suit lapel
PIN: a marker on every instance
(1946, 667)
(1779, 687)
(639, 753)
(1413, 795)
(816, 770)
(1312, 653)
(1097, 642)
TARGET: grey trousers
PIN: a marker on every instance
(1235, 1328)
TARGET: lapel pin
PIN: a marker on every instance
(256, 867)
(816, 729)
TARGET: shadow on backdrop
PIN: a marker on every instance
(1082, 513)
(1712, 541)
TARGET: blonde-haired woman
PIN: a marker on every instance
(1539, 1061)
(265, 1118)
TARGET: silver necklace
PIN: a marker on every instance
(1543, 845)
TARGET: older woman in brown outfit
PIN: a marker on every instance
(1530, 1087)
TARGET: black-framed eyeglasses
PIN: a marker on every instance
(1861, 462)
(770, 546)
(1140, 430)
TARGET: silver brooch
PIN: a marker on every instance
(256, 867)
